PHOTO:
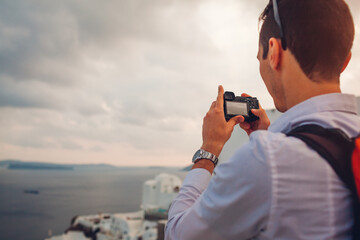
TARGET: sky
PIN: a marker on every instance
(126, 82)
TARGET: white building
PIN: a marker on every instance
(127, 226)
(158, 194)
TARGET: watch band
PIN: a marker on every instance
(202, 154)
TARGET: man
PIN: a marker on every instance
(275, 187)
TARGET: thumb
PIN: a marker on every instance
(236, 120)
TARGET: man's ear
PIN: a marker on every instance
(346, 61)
(274, 53)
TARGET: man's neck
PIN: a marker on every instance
(298, 87)
(301, 92)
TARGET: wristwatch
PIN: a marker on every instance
(202, 154)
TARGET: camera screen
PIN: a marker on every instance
(236, 108)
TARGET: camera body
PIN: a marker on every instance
(234, 106)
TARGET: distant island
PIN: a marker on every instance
(21, 165)
(187, 168)
(38, 166)
(17, 165)
(12, 164)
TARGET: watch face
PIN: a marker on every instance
(196, 155)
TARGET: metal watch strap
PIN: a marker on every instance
(202, 154)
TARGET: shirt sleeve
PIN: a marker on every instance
(233, 204)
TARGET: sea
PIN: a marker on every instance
(65, 194)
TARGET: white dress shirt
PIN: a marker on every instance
(274, 186)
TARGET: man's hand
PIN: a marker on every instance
(262, 124)
(216, 131)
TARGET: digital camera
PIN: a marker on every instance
(234, 106)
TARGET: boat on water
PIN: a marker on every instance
(146, 224)
(31, 191)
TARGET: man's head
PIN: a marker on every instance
(319, 33)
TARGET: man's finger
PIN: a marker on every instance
(220, 97)
(245, 95)
(236, 120)
(245, 125)
(212, 105)
(258, 112)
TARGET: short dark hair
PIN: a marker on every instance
(319, 33)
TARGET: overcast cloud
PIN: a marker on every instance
(125, 82)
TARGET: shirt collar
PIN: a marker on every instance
(322, 103)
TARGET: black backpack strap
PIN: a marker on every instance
(332, 144)
(336, 148)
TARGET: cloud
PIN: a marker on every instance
(105, 79)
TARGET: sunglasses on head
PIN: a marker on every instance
(278, 22)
